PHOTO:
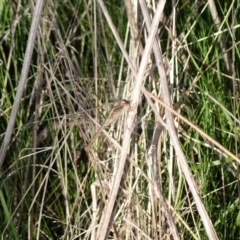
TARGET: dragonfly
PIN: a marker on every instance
(115, 113)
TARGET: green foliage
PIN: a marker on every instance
(46, 185)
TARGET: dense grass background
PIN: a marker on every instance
(51, 188)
